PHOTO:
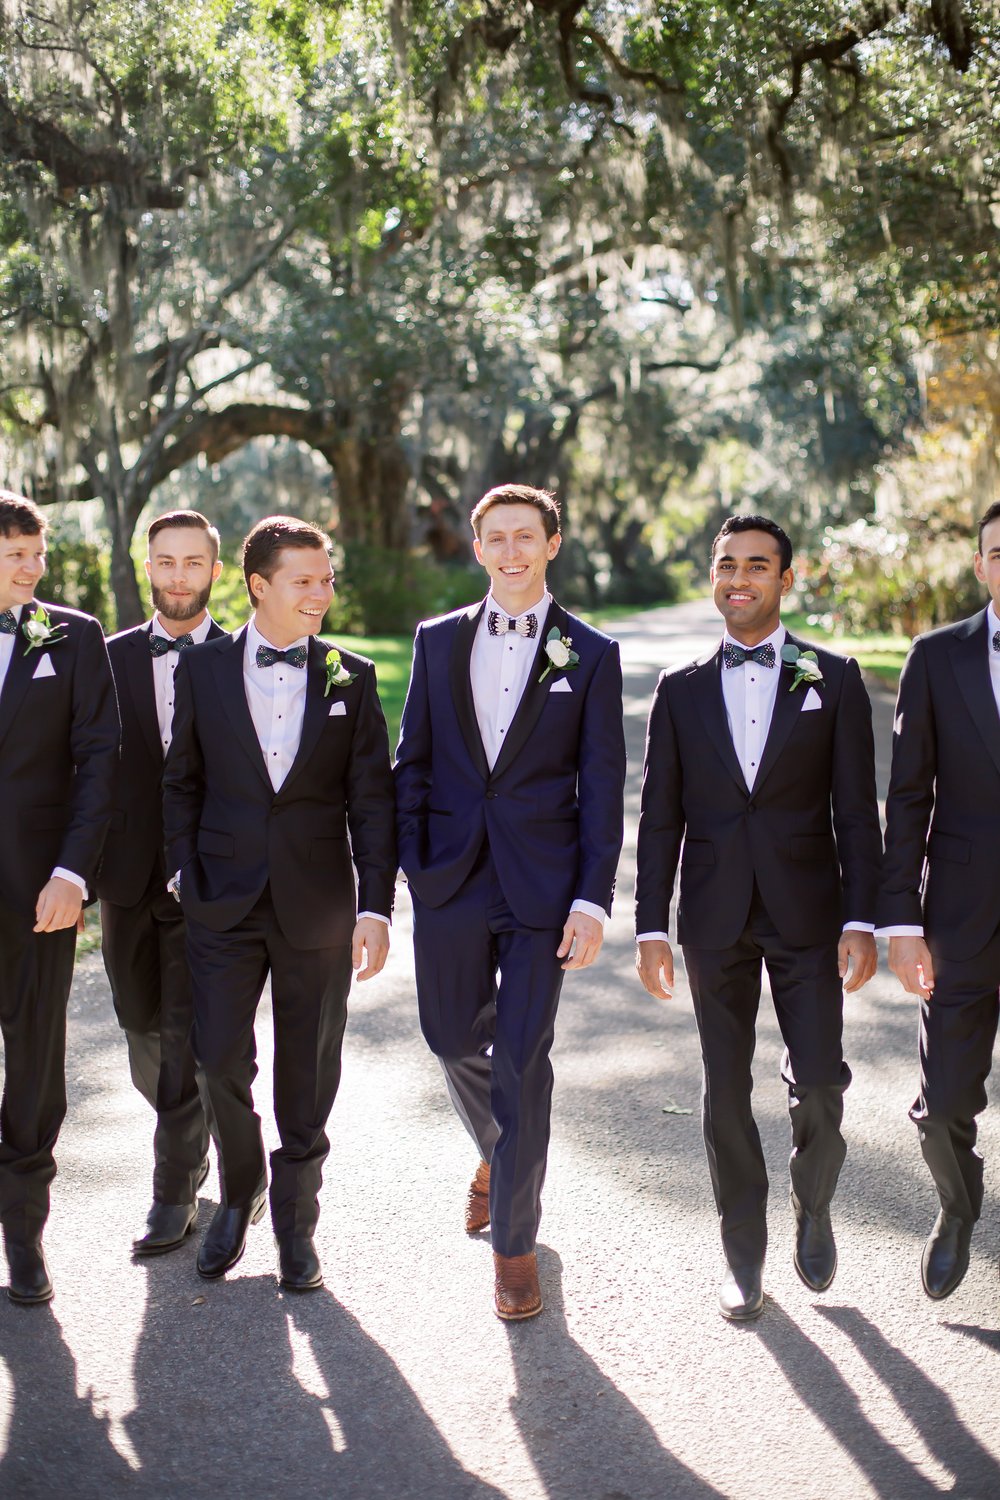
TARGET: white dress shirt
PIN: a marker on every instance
(164, 668)
(7, 643)
(500, 667)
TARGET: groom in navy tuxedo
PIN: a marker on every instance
(509, 788)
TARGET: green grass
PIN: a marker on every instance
(881, 655)
(392, 655)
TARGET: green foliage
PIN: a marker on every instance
(77, 575)
(383, 592)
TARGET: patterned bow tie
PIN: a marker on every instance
(996, 634)
(295, 656)
(735, 656)
(161, 644)
(8, 624)
(499, 624)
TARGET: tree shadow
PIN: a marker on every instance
(53, 1432)
(988, 1336)
(584, 1437)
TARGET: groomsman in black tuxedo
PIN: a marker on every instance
(759, 780)
(58, 749)
(509, 784)
(940, 901)
(141, 922)
(279, 752)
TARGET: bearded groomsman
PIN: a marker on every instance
(759, 780)
(58, 749)
(279, 751)
(509, 786)
(940, 902)
(141, 923)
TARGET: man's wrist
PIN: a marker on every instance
(651, 937)
(59, 873)
(589, 909)
(375, 915)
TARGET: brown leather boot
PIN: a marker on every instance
(517, 1294)
(477, 1204)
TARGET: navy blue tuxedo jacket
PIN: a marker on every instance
(230, 833)
(552, 806)
(808, 832)
(59, 738)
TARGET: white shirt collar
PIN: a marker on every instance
(775, 639)
(540, 606)
(255, 639)
(992, 622)
(197, 635)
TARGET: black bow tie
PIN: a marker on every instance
(735, 656)
(526, 625)
(996, 635)
(161, 644)
(8, 624)
(295, 656)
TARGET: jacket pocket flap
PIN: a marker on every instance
(947, 846)
(221, 844)
(698, 852)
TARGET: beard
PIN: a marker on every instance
(180, 609)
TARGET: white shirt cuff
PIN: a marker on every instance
(901, 931)
(590, 910)
(377, 915)
(73, 879)
(859, 927)
(651, 937)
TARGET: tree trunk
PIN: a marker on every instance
(129, 607)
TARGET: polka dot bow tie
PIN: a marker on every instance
(735, 656)
(161, 644)
(8, 625)
(499, 624)
(295, 656)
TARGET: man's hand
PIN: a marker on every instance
(910, 960)
(584, 935)
(372, 935)
(59, 905)
(858, 953)
(654, 964)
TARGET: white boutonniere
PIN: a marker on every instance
(804, 663)
(557, 649)
(40, 630)
(337, 674)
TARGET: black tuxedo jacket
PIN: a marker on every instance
(552, 806)
(230, 833)
(59, 738)
(134, 845)
(942, 843)
(808, 832)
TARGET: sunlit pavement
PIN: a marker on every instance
(396, 1380)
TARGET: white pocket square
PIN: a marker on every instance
(44, 668)
(560, 686)
(812, 700)
(338, 709)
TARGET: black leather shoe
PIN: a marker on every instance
(28, 1279)
(815, 1255)
(946, 1255)
(298, 1264)
(226, 1237)
(167, 1227)
(741, 1295)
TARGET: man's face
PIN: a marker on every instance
(22, 563)
(181, 572)
(514, 550)
(748, 584)
(297, 596)
(987, 562)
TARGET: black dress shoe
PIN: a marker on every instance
(167, 1227)
(946, 1255)
(298, 1264)
(226, 1236)
(28, 1280)
(815, 1254)
(741, 1295)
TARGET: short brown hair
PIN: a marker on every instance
(193, 520)
(20, 516)
(269, 538)
(518, 494)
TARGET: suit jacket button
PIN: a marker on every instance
(491, 795)
(751, 807)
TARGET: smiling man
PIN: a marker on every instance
(277, 788)
(509, 787)
(759, 781)
(142, 927)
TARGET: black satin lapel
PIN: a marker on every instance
(461, 688)
(533, 699)
(139, 675)
(228, 666)
(787, 707)
(706, 689)
(23, 663)
(970, 664)
(317, 708)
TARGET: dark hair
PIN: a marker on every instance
(193, 520)
(992, 514)
(733, 524)
(518, 494)
(268, 539)
(20, 516)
